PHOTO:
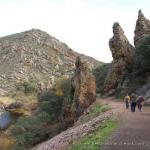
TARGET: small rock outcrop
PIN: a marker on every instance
(83, 88)
(122, 53)
(142, 28)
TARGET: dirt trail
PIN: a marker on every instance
(134, 128)
(133, 132)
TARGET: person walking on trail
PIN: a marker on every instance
(133, 103)
(140, 100)
(127, 101)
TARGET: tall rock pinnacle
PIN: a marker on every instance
(83, 86)
(122, 53)
(119, 44)
(142, 28)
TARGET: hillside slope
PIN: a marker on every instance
(35, 55)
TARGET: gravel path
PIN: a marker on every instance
(133, 133)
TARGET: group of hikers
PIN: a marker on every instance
(132, 101)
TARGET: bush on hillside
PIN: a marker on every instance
(27, 86)
(29, 131)
(55, 101)
(51, 104)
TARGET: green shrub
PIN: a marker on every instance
(27, 87)
(30, 130)
(54, 102)
(66, 86)
(51, 104)
(142, 58)
(100, 74)
(63, 88)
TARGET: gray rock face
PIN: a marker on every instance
(4, 119)
(122, 52)
(142, 28)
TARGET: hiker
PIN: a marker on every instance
(140, 99)
(133, 103)
(127, 101)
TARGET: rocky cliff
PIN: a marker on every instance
(35, 55)
(142, 28)
(122, 53)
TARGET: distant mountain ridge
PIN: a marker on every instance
(34, 54)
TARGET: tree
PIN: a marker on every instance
(100, 74)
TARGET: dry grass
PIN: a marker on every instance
(6, 100)
(6, 142)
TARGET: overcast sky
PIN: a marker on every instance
(84, 25)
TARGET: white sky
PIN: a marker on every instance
(84, 25)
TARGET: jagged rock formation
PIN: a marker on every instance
(122, 52)
(83, 88)
(35, 55)
(142, 28)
